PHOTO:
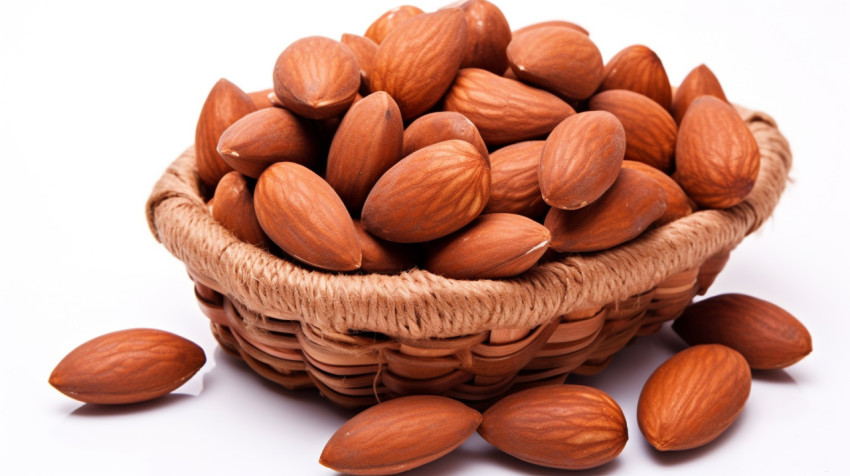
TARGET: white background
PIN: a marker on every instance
(97, 98)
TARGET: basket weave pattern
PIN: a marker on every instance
(359, 338)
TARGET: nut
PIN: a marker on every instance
(442, 126)
(380, 28)
(233, 207)
(487, 36)
(514, 187)
(678, 203)
(637, 68)
(701, 81)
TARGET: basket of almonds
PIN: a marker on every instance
(447, 206)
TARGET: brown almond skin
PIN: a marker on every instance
(514, 187)
(225, 104)
(380, 28)
(496, 245)
(418, 60)
(316, 77)
(693, 397)
(381, 256)
(400, 434)
(432, 192)
(561, 23)
(557, 426)
(504, 110)
(487, 36)
(622, 213)
(650, 130)
(264, 137)
(561, 60)
(129, 366)
(581, 159)
(701, 81)
(303, 215)
(442, 126)
(637, 68)
(367, 143)
(234, 209)
(262, 98)
(678, 203)
(364, 50)
(717, 157)
(768, 336)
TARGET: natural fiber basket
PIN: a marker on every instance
(360, 338)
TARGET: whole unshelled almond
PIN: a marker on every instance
(364, 50)
(504, 110)
(637, 68)
(514, 186)
(380, 28)
(561, 23)
(701, 81)
(558, 59)
(496, 245)
(303, 215)
(441, 126)
(225, 104)
(558, 426)
(128, 366)
(693, 397)
(233, 207)
(678, 203)
(264, 137)
(768, 336)
(367, 143)
(417, 61)
(650, 130)
(487, 36)
(316, 77)
(581, 159)
(430, 193)
(381, 256)
(262, 98)
(400, 434)
(622, 213)
(717, 157)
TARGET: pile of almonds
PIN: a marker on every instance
(448, 142)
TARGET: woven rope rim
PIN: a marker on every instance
(420, 305)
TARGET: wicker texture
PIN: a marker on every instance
(360, 337)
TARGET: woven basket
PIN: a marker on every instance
(361, 338)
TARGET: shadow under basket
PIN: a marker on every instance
(361, 338)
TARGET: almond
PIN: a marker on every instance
(316, 77)
(487, 36)
(693, 397)
(637, 68)
(418, 60)
(128, 366)
(581, 159)
(650, 130)
(514, 187)
(367, 143)
(400, 434)
(380, 28)
(225, 104)
(558, 426)
(497, 245)
(381, 256)
(561, 23)
(717, 157)
(504, 110)
(622, 213)
(428, 194)
(234, 209)
(442, 126)
(678, 204)
(561, 60)
(262, 98)
(364, 50)
(701, 81)
(303, 215)
(267, 136)
(768, 336)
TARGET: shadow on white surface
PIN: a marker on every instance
(99, 411)
(778, 376)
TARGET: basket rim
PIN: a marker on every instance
(417, 304)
